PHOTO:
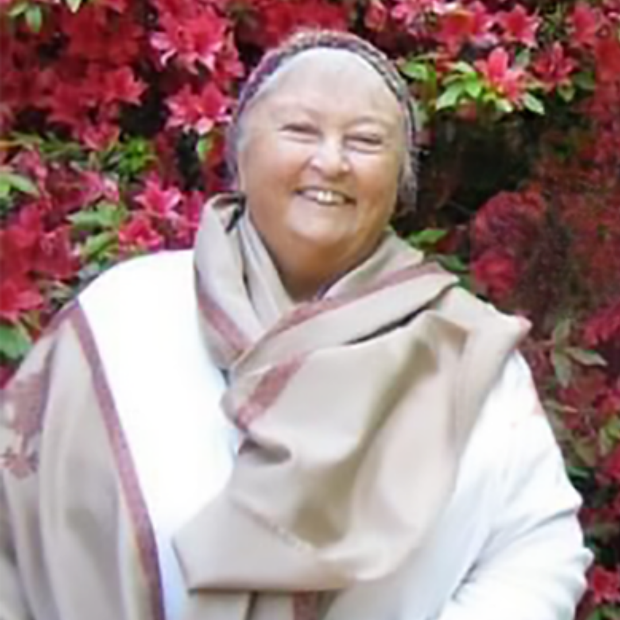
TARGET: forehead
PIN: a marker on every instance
(330, 80)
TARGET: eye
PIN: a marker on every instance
(366, 141)
(300, 129)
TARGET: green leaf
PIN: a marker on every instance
(577, 473)
(561, 332)
(533, 104)
(5, 188)
(473, 87)
(426, 237)
(523, 58)
(585, 80)
(462, 67)
(586, 451)
(34, 18)
(416, 70)
(606, 442)
(203, 146)
(97, 245)
(17, 9)
(562, 367)
(12, 180)
(503, 105)
(585, 357)
(567, 92)
(74, 5)
(450, 97)
(14, 341)
(105, 215)
(452, 263)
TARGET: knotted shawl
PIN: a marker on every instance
(354, 410)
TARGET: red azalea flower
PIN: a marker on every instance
(610, 403)
(197, 111)
(553, 67)
(96, 186)
(519, 26)
(18, 295)
(156, 200)
(98, 136)
(509, 219)
(495, 274)
(30, 163)
(194, 41)
(273, 20)
(471, 24)
(585, 21)
(67, 103)
(603, 326)
(54, 256)
(228, 66)
(604, 585)
(84, 31)
(410, 11)
(139, 233)
(18, 242)
(509, 82)
(376, 16)
(607, 58)
(121, 85)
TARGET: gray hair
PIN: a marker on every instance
(277, 58)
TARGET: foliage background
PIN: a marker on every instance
(112, 115)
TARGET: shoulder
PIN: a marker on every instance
(515, 441)
(139, 280)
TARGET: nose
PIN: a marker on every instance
(330, 158)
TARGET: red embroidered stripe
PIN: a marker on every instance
(269, 388)
(144, 530)
(305, 606)
(310, 310)
(215, 315)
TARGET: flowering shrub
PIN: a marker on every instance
(112, 117)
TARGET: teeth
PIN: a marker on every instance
(325, 196)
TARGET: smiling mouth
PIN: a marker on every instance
(325, 197)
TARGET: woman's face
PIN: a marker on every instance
(320, 155)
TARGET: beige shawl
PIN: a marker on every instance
(354, 409)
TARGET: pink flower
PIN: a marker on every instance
(54, 256)
(553, 67)
(410, 11)
(121, 85)
(98, 136)
(67, 103)
(607, 55)
(471, 24)
(139, 234)
(507, 81)
(193, 41)
(585, 21)
(603, 326)
(156, 200)
(604, 584)
(197, 111)
(376, 16)
(518, 26)
(495, 274)
(18, 295)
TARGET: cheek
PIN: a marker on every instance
(378, 183)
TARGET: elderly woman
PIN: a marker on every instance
(300, 421)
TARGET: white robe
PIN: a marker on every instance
(509, 542)
(507, 546)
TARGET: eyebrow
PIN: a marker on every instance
(371, 119)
